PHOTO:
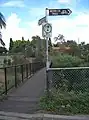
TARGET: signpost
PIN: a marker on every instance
(47, 31)
(47, 28)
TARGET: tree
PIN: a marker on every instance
(5, 61)
(50, 45)
(83, 49)
(49, 42)
(2, 25)
(28, 51)
(59, 38)
(56, 45)
(19, 46)
(3, 50)
(39, 47)
(36, 43)
(9, 62)
(11, 45)
(29, 48)
(24, 47)
(22, 38)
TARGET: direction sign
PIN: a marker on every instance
(47, 28)
(56, 12)
(42, 20)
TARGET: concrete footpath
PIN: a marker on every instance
(20, 116)
(25, 98)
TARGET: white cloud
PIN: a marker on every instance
(64, 1)
(72, 28)
(14, 30)
(69, 3)
(77, 27)
(18, 3)
(37, 11)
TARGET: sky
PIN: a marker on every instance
(22, 19)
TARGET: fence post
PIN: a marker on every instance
(22, 72)
(26, 70)
(47, 83)
(39, 65)
(15, 77)
(30, 68)
(33, 68)
(5, 72)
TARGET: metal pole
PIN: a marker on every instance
(47, 63)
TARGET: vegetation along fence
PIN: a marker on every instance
(67, 90)
(14, 75)
(68, 79)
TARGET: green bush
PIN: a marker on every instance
(5, 61)
(19, 60)
(66, 61)
(9, 61)
(66, 103)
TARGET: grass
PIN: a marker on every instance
(65, 103)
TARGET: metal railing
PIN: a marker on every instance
(14, 75)
(68, 79)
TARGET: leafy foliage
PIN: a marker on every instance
(11, 44)
(66, 61)
(2, 25)
(3, 50)
(9, 61)
(2, 21)
(5, 61)
(19, 60)
(34, 48)
(66, 102)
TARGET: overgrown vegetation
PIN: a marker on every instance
(35, 48)
(24, 51)
(69, 88)
(65, 60)
(66, 102)
(69, 92)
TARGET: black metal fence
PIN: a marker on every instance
(14, 75)
(68, 79)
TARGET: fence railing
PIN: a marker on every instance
(14, 75)
(68, 79)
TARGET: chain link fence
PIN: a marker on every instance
(68, 79)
